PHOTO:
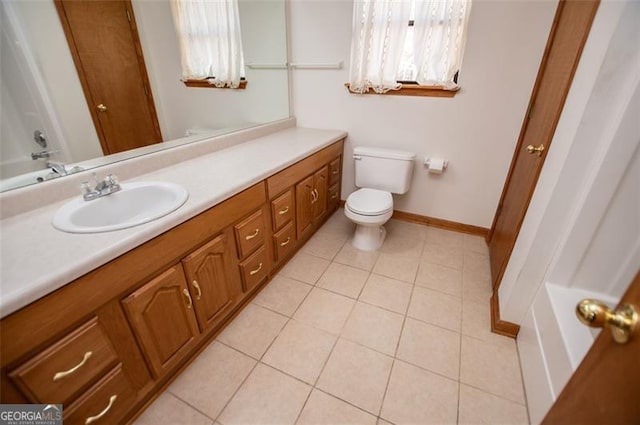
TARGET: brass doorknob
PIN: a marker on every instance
(535, 149)
(102, 108)
(597, 314)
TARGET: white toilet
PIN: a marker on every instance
(379, 173)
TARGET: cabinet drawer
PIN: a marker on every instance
(250, 233)
(282, 210)
(334, 171)
(284, 241)
(333, 197)
(254, 269)
(61, 372)
(105, 403)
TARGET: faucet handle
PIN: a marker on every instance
(111, 179)
(85, 188)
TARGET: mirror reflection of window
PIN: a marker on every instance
(210, 41)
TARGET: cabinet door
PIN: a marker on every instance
(207, 271)
(161, 314)
(320, 184)
(304, 206)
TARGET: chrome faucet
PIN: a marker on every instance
(58, 168)
(40, 155)
(103, 188)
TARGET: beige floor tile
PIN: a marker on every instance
(476, 322)
(479, 408)
(338, 224)
(476, 288)
(374, 327)
(267, 397)
(391, 294)
(324, 244)
(449, 256)
(436, 236)
(403, 244)
(168, 410)
(475, 244)
(383, 422)
(305, 268)
(212, 379)
(344, 280)
(416, 396)
(325, 310)
(253, 330)
(400, 227)
(477, 265)
(357, 375)
(283, 295)
(441, 278)
(397, 267)
(300, 351)
(437, 308)
(351, 256)
(492, 368)
(430, 347)
(324, 409)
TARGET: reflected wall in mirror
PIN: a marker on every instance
(42, 96)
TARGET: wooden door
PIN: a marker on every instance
(604, 389)
(209, 283)
(568, 34)
(104, 43)
(321, 186)
(161, 314)
(304, 206)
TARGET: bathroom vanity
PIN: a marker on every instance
(105, 343)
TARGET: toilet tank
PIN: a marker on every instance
(383, 169)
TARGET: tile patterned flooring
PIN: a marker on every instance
(340, 336)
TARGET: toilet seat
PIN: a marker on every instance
(370, 202)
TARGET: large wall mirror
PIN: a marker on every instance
(48, 118)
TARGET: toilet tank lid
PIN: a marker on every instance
(384, 153)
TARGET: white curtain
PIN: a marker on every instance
(440, 28)
(379, 28)
(210, 40)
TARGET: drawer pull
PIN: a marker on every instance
(195, 285)
(92, 419)
(185, 291)
(334, 172)
(61, 375)
(253, 235)
(252, 272)
(285, 243)
(334, 196)
(284, 211)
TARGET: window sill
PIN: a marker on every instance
(205, 84)
(414, 90)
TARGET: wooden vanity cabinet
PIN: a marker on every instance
(161, 315)
(146, 314)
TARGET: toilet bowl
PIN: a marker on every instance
(369, 209)
(379, 173)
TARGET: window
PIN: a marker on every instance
(210, 42)
(409, 47)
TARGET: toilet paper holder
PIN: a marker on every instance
(436, 164)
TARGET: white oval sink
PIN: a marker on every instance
(135, 204)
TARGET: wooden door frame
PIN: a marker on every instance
(498, 325)
(83, 79)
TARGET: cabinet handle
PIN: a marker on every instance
(314, 197)
(252, 272)
(65, 373)
(334, 196)
(185, 291)
(284, 211)
(253, 235)
(334, 172)
(195, 285)
(285, 243)
(92, 419)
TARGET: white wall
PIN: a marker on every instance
(179, 108)
(476, 130)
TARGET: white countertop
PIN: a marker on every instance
(36, 259)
